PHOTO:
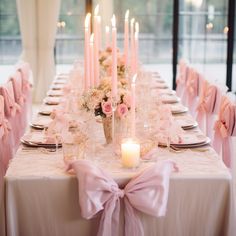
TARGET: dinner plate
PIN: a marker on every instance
(59, 81)
(55, 93)
(57, 86)
(157, 85)
(168, 99)
(178, 108)
(189, 141)
(41, 122)
(47, 109)
(38, 140)
(52, 100)
(166, 91)
(186, 122)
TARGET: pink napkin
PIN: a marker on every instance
(59, 123)
(224, 129)
(147, 192)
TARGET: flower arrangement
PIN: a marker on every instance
(105, 60)
(99, 99)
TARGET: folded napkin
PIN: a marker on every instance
(147, 192)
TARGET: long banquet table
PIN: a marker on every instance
(41, 198)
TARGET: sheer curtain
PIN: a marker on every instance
(38, 23)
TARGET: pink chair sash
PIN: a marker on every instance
(147, 192)
(181, 80)
(24, 69)
(224, 129)
(17, 86)
(11, 107)
(4, 124)
(192, 88)
(208, 105)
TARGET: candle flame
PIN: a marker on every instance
(87, 20)
(137, 27)
(127, 15)
(132, 21)
(91, 38)
(113, 21)
(96, 10)
(134, 78)
(107, 29)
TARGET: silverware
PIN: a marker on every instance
(179, 150)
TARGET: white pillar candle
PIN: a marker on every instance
(130, 153)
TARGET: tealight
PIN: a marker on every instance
(130, 153)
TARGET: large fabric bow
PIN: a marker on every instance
(180, 81)
(147, 193)
(224, 129)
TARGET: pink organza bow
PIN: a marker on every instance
(224, 129)
(147, 193)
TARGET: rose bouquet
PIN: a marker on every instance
(99, 99)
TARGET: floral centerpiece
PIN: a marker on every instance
(99, 101)
(105, 61)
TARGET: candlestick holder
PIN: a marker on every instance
(114, 107)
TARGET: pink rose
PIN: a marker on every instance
(127, 100)
(107, 108)
(122, 110)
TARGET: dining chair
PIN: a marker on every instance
(5, 155)
(181, 78)
(225, 130)
(27, 80)
(192, 91)
(208, 107)
(145, 193)
(20, 98)
(12, 112)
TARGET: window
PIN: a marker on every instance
(69, 44)
(10, 40)
(203, 36)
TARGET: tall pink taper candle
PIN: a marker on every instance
(136, 45)
(126, 39)
(114, 58)
(107, 29)
(132, 53)
(91, 61)
(99, 34)
(133, 104)
(86, 51)
(96, 47)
